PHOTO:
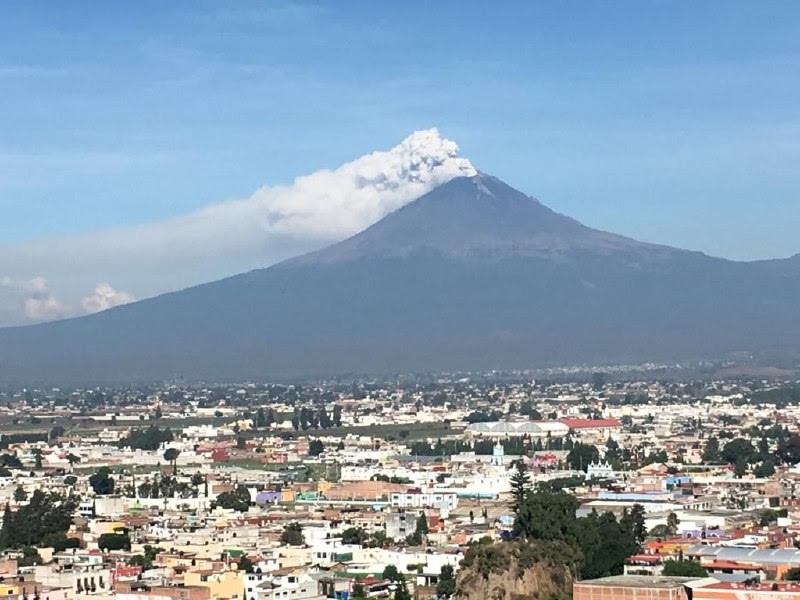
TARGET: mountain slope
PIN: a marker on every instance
(472, 275)
(476, 216)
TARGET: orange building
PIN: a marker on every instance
(744, 591)
(627, 587)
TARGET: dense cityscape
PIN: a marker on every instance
(431, 487)
(324, 300)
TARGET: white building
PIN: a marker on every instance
(295, 585)
(600, 470)
(82, 579)
(420, 499)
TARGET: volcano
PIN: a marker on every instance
(473, 275)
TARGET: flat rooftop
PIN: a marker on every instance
(639, 581)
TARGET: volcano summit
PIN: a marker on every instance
(471, 275)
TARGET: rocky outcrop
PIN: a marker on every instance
(517, 571)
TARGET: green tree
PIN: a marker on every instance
(527, 409)
(683, 568)
(792, 574)
(612, 450)
(520, 484)
(672, 523)
(114, 541)
(764, 470)
(603, 541)
(293, 535)
(770, 517)
(737, 450)
(30, 557)
(245, 564)
(305, 418)
(7, 533)
(635, 521)
(315, 448)
(660, 531)
(237, 499)
(598, 381)
(147, 558)
(354, 535)
(391, 573)
(324, 419)
(197, 480)
(148, 438)
(20, 495)
(10, 461)
(605, 544)
(171, 456)
(581, 456)
(60, 542)
(789, 450)
(101, 481)
(422, 524)
(446, 585)
(740, 467)
(547, 516)
(711, 453)
(398, 583)
(260, 420)
(401, 591)
(359, 592)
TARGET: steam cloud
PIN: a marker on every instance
(37, 302)
(104, 297)
(274, 223)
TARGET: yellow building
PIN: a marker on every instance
(185, 561)
(221, 584)
(101, 527)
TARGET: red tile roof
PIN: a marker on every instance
(590, 423)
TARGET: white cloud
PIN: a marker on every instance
(35, 298)
(104, 297)
(36, 301)
(274, 223)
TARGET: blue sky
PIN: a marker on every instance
(673, 122)
(669, 121)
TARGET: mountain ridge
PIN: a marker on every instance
(472, 275)
(516, 220)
